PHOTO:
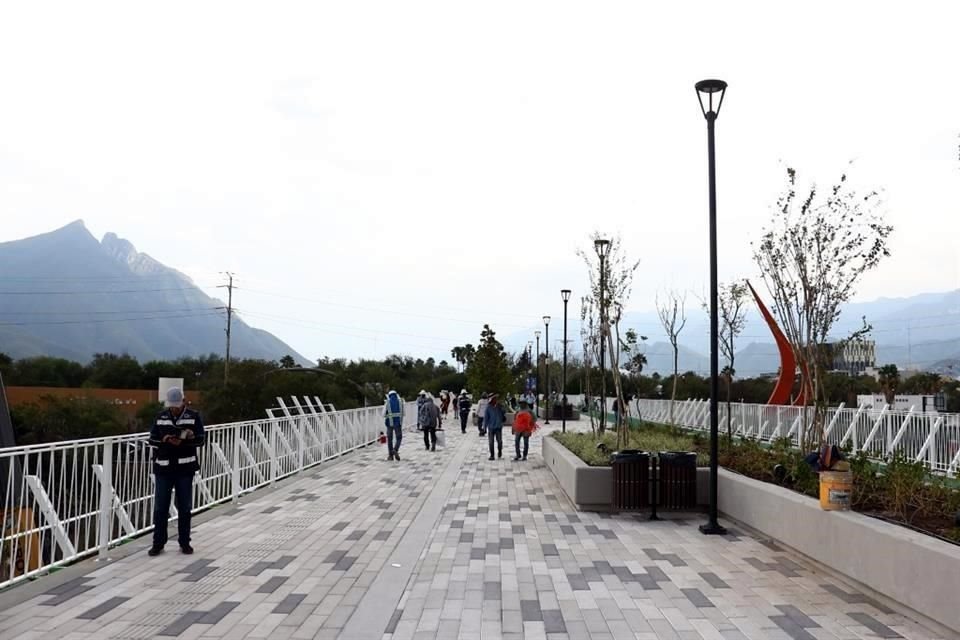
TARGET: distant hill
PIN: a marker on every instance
(920, 332)
(65, 294)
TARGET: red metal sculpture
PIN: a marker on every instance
(788, 363)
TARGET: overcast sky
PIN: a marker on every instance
(388, 176)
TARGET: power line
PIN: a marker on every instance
(388, 311)
(103, 320)
(101, 312)
(83, 293)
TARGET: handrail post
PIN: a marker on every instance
(106, 502)
(236, 465)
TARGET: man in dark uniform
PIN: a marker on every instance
(175, 437)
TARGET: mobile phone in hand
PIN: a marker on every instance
(183, 434)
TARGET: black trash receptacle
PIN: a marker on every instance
(677, 484)
(631, 475)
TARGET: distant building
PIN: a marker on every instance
(919, 403)
(854, 358)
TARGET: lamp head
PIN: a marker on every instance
(602, 245)
(565, 294)
(709, 89)
(537, 334)
(546, 321)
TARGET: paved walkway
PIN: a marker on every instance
(447, 545)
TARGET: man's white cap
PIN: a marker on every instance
(463, 391)
(422, 392)
(174, 397)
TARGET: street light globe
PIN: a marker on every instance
(546, 321)
(708, 88)
(565, 294)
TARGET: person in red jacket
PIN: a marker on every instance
(524, 424)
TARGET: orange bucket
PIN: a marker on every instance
(836, 490)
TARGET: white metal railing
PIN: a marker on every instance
(66, 500)
(880, 432)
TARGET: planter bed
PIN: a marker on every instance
(591, 488)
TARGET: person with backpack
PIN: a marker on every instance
(493, 419)
(463, 404)
(393, 421)
(481, 413)
(428, 417)
(524, 424)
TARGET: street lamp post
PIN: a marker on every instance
(602, 247)
(707, 89)
(546, 365)
(536, 402)
(565, 294)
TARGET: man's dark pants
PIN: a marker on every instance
(464, 416)
(167, 483)
(394, 436)
(430, 433)
(498, 435)
(526, 443)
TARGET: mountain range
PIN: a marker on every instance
(920, 332)
(66, 294)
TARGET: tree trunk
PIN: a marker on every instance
(729, 427)
(673, 396)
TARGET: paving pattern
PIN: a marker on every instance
(444, 545)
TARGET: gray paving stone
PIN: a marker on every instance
(272, 584)
(181, 624)
(874, 625)
(218, 613)
(530, 610)
(697, 598)
(288, 604)
(102, 608)
(713, 580)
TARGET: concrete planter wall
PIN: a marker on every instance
(591, 488)
(920, 572)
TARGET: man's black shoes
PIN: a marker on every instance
(155, 551)
(186, 549)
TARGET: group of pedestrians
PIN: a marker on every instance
(491, 418)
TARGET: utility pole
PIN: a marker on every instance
(229, 288)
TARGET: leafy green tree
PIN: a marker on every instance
(112, 371)
(44, 371)
(489, 369)
(52, 419)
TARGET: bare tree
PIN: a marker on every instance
(589, 340)
(673, 317)
(617, 278)
(732, 309)
(811, 258)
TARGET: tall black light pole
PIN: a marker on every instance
(546, 366)
(565, 294)
(603, 247)
(537, 394)
(707, 89)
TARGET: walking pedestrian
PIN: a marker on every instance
(456, 403)
(428, 415)
(421, 398)
(393, 421)
(444, 402)
(176, 435)
(481, 413)
(493, 419)
(463, 406)
(524, 424)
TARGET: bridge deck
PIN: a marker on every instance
(444, 545)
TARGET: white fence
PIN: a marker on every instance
(66, 500)
(880, 432)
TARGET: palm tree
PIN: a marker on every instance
(889, 378)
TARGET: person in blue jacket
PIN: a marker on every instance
(393, 421)
(176, 435)
(493, 419)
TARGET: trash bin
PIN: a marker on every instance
(631, 475)
(677, 483)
